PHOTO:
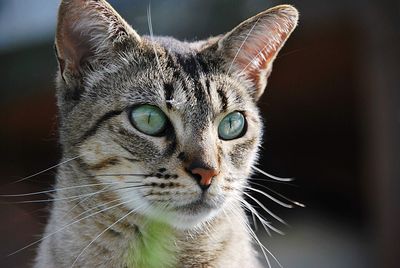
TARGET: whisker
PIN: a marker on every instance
(253, 235)
(281, 195)
(66, 226)
(255, 238)
(119, 174)
(272, 176)
(270, 197)
(47, 169)
(266, 225)
(93, 208)
(265, 209)
(100, 234)
(253, 217)
(272, 255)
(59, 189)
(274, 181)
(83, 200)
(71, 198)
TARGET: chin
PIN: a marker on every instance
(192, 217)
(197, 213)
(186, 217)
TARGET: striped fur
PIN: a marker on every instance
(105, 69)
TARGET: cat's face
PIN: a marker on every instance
(167, 124)
(172, 126)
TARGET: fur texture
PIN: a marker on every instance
(126, 199)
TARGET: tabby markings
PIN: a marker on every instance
(98, 124)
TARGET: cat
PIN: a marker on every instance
(159, 137)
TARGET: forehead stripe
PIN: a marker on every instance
(208, 87)
(224, 100)
(177, 70)
(202, 64)
(93, 129)
(189, 65)
(191, 68)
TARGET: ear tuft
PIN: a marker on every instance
(250, 49)
(88, 28)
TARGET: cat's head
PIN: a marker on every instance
(172, 126)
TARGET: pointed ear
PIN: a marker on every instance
(88, 29)
(250, 49)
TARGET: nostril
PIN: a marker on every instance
(198, 178)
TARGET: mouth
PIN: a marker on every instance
(193, 213)
(196, 207)
(202, 205)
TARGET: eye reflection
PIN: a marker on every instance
(232, 126)
(148, 119)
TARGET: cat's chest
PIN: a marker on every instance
(154, 245)
(159, 245)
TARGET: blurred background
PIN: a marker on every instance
(332, 114)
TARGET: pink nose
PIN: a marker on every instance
(205, 174)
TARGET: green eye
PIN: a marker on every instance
(148, 119)
(232, 126)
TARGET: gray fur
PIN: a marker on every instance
(108, 69)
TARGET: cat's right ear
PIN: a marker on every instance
(249, 50)
(88, 30)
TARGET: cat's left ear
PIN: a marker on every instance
(249, 50)
(89, 30)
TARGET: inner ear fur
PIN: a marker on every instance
(249, 50)
(88, 29)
